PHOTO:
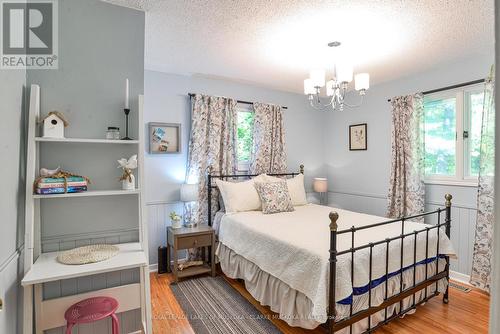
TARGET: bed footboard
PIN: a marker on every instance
(335, 324)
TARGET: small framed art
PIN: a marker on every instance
(164, 138)
(358, 137)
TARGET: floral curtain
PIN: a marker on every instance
(212, 145)
(483, 243)
(406, 189)
(268, 154)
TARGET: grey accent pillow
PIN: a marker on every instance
(274, 197)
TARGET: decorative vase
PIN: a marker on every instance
(129, 184)
(176, 223)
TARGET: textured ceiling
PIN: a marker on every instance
(274, 43)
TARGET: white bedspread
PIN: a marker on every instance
(293, 246)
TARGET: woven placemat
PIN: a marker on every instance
(87, 254)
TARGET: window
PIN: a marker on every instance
(453, 134)
(245, 136)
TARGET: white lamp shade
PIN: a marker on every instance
(344, 72)
(317, 78)
(189, 192)
(329, 88)
(308, 87)
(362, 81)
(320, 185)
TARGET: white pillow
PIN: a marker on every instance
(295, 188)
(240, 196)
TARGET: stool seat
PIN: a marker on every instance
(90, 310)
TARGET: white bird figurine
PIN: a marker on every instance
(44, 172)
(131, 163)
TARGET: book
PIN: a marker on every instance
(61, 184)
(60, 190)
(61, 180)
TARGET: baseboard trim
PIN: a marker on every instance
(153, 267)
(459, 277)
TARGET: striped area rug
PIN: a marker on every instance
(213, 306)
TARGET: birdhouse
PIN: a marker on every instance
(53, 125)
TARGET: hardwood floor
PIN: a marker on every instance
(467, 313)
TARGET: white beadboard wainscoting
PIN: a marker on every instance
(462, 227)
(158, 221)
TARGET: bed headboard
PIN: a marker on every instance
(214, 175)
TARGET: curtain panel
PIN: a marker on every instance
(212, 145)
(406, 185)
(483, 241)
(268, 154)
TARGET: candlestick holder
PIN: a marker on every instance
(127, 111)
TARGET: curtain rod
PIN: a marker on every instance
(239, 101)
(473, 82)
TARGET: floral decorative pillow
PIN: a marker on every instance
(274, 197)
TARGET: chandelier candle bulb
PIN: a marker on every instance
(330, 88)
(308, 87)
(317, 78)
(344, 73)
(362, 81)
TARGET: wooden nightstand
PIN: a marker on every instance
(202, 236)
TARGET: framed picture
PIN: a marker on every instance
(164, 138)
(358, 137)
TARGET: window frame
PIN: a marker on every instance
(463, 114)
(243, 165)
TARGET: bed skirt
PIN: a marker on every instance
(295, 308)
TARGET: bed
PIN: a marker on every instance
(295, 262)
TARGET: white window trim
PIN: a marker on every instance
(461, 165)
(243, 166)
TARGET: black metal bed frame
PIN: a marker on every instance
(333, 324)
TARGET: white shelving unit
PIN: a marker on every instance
(89, 193)
(47, 269)
(42, 267)
(86, 141)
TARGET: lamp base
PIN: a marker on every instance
(323, 198)
(190, 225)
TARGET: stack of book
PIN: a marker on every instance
(50, 185)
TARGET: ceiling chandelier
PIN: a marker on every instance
(337, 87)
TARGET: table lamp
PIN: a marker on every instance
(189, 195)
(320, 185)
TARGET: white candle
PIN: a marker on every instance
(126, 94)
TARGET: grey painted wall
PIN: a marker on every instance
(100, 45)
(359, 180)
(166, 100)
(13, 153)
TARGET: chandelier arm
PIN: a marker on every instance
(319, 105)
(354, 105)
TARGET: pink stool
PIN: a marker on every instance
(90, 310)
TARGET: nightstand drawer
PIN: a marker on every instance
(194, 241)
